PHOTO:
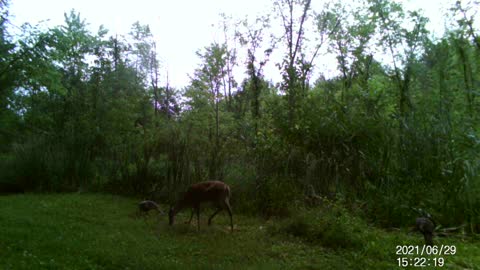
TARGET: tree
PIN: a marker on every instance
(209, 79)
(146, 61)
(294, 63)
(229, 81)
(253, 38)
(464, 36)
(349, 31)
(403, 44)
(7, 81)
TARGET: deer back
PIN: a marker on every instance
(209, 191)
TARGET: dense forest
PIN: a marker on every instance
(395, 132)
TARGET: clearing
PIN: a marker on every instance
(97, 231)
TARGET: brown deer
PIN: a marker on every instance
(215, 192)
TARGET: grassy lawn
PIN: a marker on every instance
(94, 231)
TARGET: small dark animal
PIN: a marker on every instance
(215, 192)
(426, 226)
(145, 206)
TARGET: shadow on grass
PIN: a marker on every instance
(191, 229)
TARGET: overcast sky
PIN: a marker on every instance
(181, 27)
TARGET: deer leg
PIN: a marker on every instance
(191, 216)
(229, 210)
(198, 218)
(215, 213)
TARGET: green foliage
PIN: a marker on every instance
(330, 226)
(276, 196)
(43, 165)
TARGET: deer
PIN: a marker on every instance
(215, 192)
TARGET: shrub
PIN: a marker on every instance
(42, 165)
(276, 196)
(332, 227)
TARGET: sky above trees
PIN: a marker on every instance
(180, 27)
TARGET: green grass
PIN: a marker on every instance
(94, 231)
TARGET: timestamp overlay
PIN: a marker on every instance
(423, 255)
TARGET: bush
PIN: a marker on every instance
(332, 227)
(276, 197)
(42, 165)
